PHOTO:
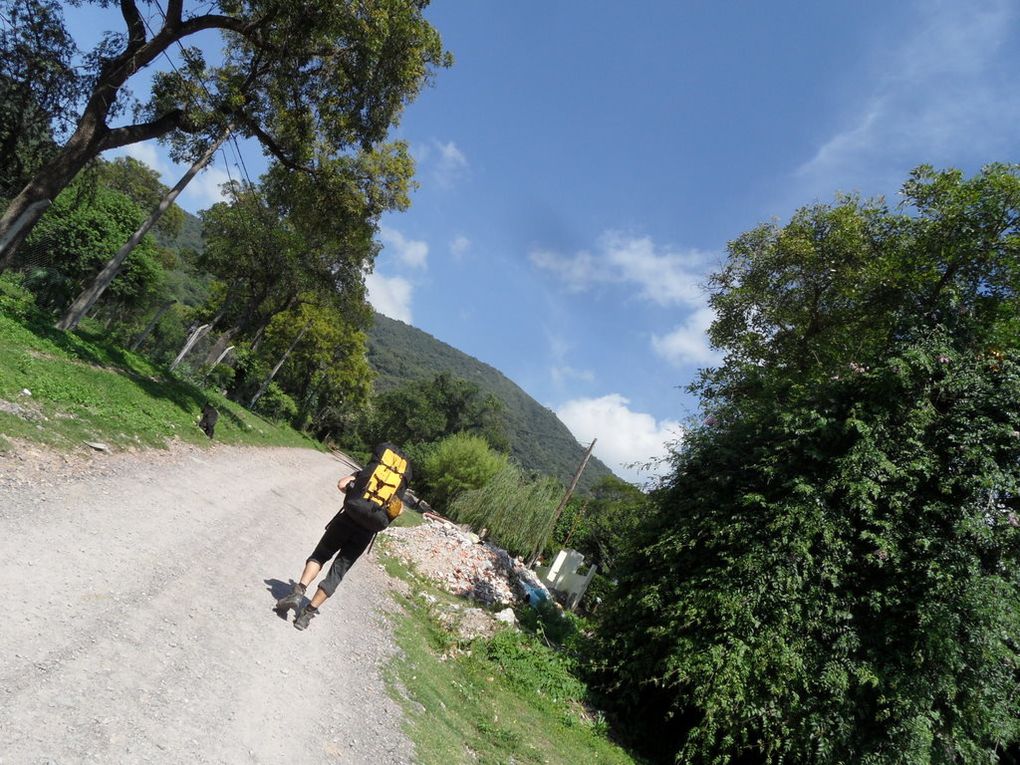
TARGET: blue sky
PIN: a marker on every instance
(583, 165)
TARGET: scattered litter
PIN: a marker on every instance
(457, 560)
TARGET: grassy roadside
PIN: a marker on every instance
(505, 699)
(86, 389)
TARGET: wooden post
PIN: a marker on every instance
(563, 503)
(187, 346)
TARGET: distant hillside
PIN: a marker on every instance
(400, 353)
(186, 284)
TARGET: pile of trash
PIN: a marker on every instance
(460, 562)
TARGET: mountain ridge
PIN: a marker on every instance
(539, 441)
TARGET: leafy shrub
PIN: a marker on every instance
(220, 376)
(15, 300)
(532, 668)
(77, 236)
(276, 405)
(455, 464)
(549, 621)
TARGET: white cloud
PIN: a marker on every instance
(205, 189)
(577, 272)
(624, 436)
(390, 295)
(661, 275)
(563, 373)
(148, 152)
(459, 246)
(451, 166)
(410, 252)
(445, 162)
(945, 100)
(688, 343)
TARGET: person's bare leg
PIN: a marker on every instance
(312, 568)
(319, 598)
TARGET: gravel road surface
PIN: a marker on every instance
(139, 626)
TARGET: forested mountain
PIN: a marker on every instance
(184, 281)
(400, 353)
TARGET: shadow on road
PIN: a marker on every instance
(279, 589)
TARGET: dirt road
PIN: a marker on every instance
(138, 622)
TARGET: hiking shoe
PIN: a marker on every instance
(304, 617)
(293, 600)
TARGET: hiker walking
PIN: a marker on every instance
(372, 499)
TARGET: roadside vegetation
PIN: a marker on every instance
(512, 697)
(829, 570)
(81, 387)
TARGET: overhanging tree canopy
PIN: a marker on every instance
(833, 574)
(302, 78)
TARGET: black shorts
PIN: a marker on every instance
(345, 537)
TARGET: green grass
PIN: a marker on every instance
(84, 388)
(506, 699)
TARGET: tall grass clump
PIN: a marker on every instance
(517, 512)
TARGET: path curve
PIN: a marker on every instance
(139, 626)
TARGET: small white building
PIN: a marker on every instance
(564, 576)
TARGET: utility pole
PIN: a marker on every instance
(563, 503)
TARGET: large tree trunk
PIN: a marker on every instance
(25, 210)
(89, 296)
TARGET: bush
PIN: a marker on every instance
(15, 300)
(220, 376)
(456, 464)
(532, 669)
(549, 621)
(518, 513)
(276, 405)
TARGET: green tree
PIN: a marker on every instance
(38, 88)
(273, 243)
(326, 370)
(831, 571)
(79, 234)
(142, 185)
(516, 511)
(457, 463)
(424, 412)
(604, 524)
(297, 77)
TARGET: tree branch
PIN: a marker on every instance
(133, 19)
(274, 148)
(174, 9)
(142, 131)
